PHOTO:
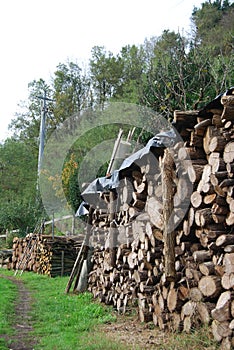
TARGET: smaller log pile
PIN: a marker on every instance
(5, 257)
(44, 254)
(202, 291)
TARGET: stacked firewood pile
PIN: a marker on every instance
(5, 257)
(201, 291)
(44, 254)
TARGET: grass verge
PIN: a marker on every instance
(8, 294)
(67, 321)
(60, 321)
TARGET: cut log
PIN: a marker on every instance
(203, 310)
(230, 219)
(202, 255)
(225, 240)
(195, 294)
(211, 132)
(228, 281)
(207, 268)
(216, 162)
(217, 144)
(172, 300)
(190, 153)
(154, 209)
(203, 217)
(196, 199)
(188, 309)
(210, 286)
(200, 128)
(228, 262)
(222, 311)
(220, 330)
(228, 153)
(209, 198)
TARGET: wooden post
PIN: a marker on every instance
(62, 263)
(81, 255)
(53, 226)
(82, 282)
(112, 232)
(168, 232)
(85, 265)
(73, 225)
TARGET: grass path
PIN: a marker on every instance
(45, 318)
(21, 322)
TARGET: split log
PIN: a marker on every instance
(211, 132)
(222, 312)
(220, 330)
(228, 153)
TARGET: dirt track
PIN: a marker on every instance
(22, 339)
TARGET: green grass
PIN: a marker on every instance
(8, 295)
(61, 321)
(70, 322)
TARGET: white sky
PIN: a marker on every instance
(38, 35)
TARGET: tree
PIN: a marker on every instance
(105, 74)
(132, 58)
(169, 82)
(71, 91)
(18, 201)
(214, 23)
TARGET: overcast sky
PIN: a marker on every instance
(38, 35)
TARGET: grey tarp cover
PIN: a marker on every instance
(91, 194)
(215, 103)
(83, 209)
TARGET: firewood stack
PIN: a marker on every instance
(44, 254)
(203, 288)
(5, 257)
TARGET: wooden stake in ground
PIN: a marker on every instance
(81, 254)
(112, 234)
(168, 232)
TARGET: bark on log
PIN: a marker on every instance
(168, 229)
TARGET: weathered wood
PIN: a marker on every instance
(222, 312)
(200, 128)
(168, 229)
(112, 231)
(220, 330)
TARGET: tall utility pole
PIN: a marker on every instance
(42, 130)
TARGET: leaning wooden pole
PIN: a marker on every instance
(81, 280)
(168, 232)
(81, 254)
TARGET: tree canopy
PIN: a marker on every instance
(164, 73)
